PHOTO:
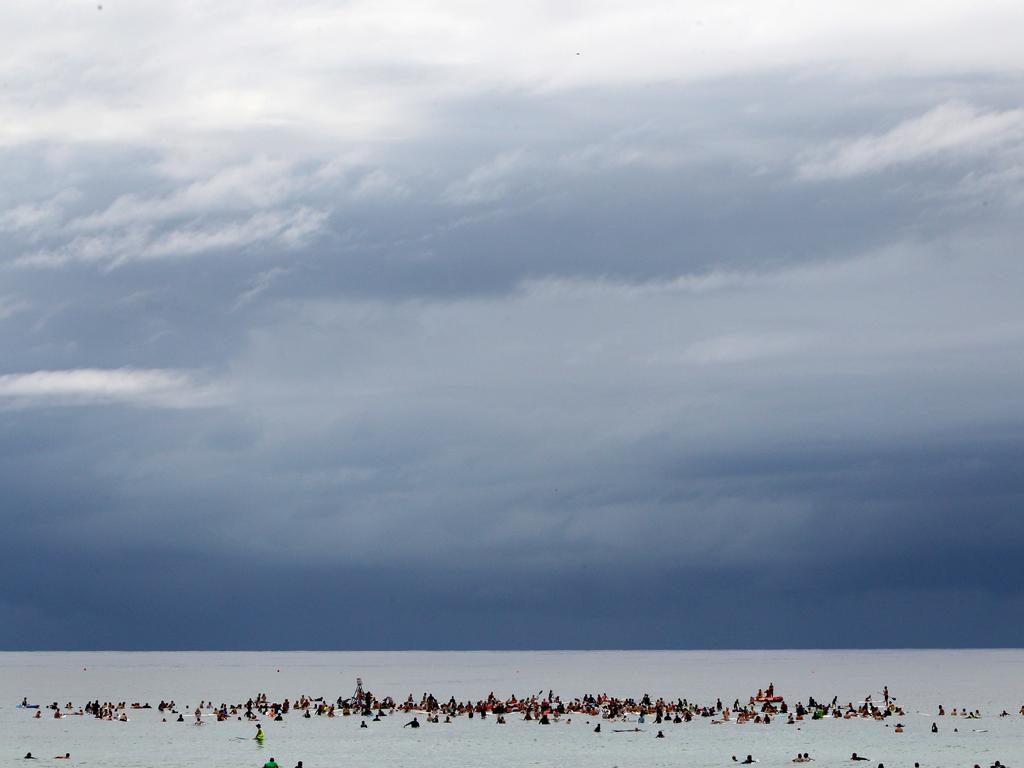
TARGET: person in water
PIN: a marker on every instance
(65, 756)
(271, 763)
(414, 723)
(28, 756)
(259, 734)
(855, 756)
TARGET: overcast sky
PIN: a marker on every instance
(383, 324)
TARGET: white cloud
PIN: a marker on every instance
(30, 217)
(11, 306)
(25, 216)
(744, 347)
(160, 388)
(489, 182)
(374, 70)
(286, 228)
(259, 285)
(952, 129)
(379, 185)
(632, 147)
(289, 228)
(258, 184)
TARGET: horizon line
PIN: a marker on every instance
(505, 650)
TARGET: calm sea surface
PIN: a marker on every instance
(919, 680)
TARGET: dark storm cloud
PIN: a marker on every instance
(706, 351)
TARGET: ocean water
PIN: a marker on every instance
(991, 680)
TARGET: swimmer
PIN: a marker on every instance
(65, 756)
(414, 723)
(598, 729)
(935, 728)
(271, 763)
(660, 735)
(362, 724)
(260, 736)
(28, 756)
(749, 761)
(855, 756)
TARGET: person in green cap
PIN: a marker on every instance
(271, 763)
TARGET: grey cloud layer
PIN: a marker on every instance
(506, 342)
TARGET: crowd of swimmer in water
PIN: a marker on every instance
(763, 708)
